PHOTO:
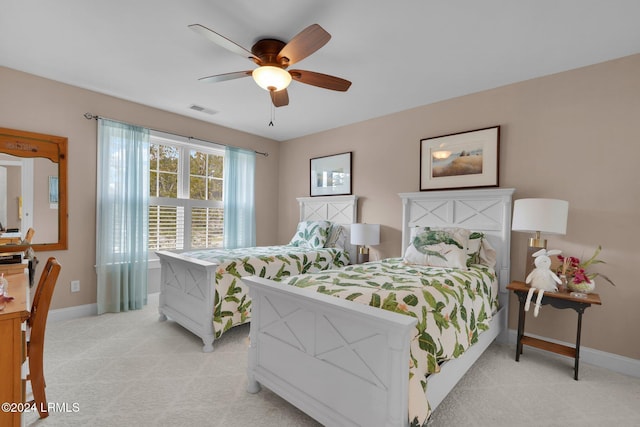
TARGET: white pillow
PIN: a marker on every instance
(488, 255)
(311, 234)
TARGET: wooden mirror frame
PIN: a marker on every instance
(32, 145)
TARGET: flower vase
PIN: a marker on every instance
(562, 286)
(582, 287)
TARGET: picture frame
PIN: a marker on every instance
(53, 192)
(331, 175)
(460, 160)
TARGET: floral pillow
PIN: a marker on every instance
(311, 234)
(438, 247)
(479, 251)
(337, 237)
(473, 248)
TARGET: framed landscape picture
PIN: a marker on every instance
(331, 175)
(460, 160)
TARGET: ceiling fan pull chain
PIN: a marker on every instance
(273, 114)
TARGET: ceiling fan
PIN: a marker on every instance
(273, 57)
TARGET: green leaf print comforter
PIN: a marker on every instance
(232, 303)
(452, 306)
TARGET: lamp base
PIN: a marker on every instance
(363, 255)
(537, 242)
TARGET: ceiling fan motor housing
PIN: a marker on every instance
(267, 51)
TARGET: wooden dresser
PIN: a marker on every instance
(8, 269)
(10, 240)
(12, 346)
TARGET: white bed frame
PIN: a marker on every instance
(187, 285)
(346, 364)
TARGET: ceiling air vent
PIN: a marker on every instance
(202, 109)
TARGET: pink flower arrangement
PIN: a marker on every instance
(576, 271)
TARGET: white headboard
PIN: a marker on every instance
(342, 210)
(485, 210)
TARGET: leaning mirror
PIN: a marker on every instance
(33, 190)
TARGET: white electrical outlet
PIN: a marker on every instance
(75, 286)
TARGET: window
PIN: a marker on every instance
(185, 200)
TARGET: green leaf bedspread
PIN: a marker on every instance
(452, 306)
(232, 303)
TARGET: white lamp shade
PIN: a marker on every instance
(544, 215)
(365, 234)
(271, 78)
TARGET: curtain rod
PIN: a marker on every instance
(90, 116)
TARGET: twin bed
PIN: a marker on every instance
(204, 292)
(346, 363)
(331, 351)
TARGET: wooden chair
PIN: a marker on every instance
(30, 254)
(29, 236)
(36, 324)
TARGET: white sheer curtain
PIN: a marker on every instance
(239, 200)
(122, 216)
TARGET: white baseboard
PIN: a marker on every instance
(613, 362)
(77, 311)
(67, 313)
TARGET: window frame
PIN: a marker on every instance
(184, 146)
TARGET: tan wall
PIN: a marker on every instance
(13, 219)
(39, 105)
(572, 136)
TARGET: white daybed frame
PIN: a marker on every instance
(187, 285)
(346, 364)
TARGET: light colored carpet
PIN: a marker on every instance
(129, 369)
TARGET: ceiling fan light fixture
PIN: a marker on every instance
(270, 78)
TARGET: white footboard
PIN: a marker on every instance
(341, 362)
(187, 294)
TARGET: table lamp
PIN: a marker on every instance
(539, 216)
(363, 235)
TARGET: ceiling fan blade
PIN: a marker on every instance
(225, 77)
(304, 44)
(321, 80)
(221, 40)
(279, 98)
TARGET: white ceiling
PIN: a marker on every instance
(398, 54)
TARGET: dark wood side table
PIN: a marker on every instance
(557, 300)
